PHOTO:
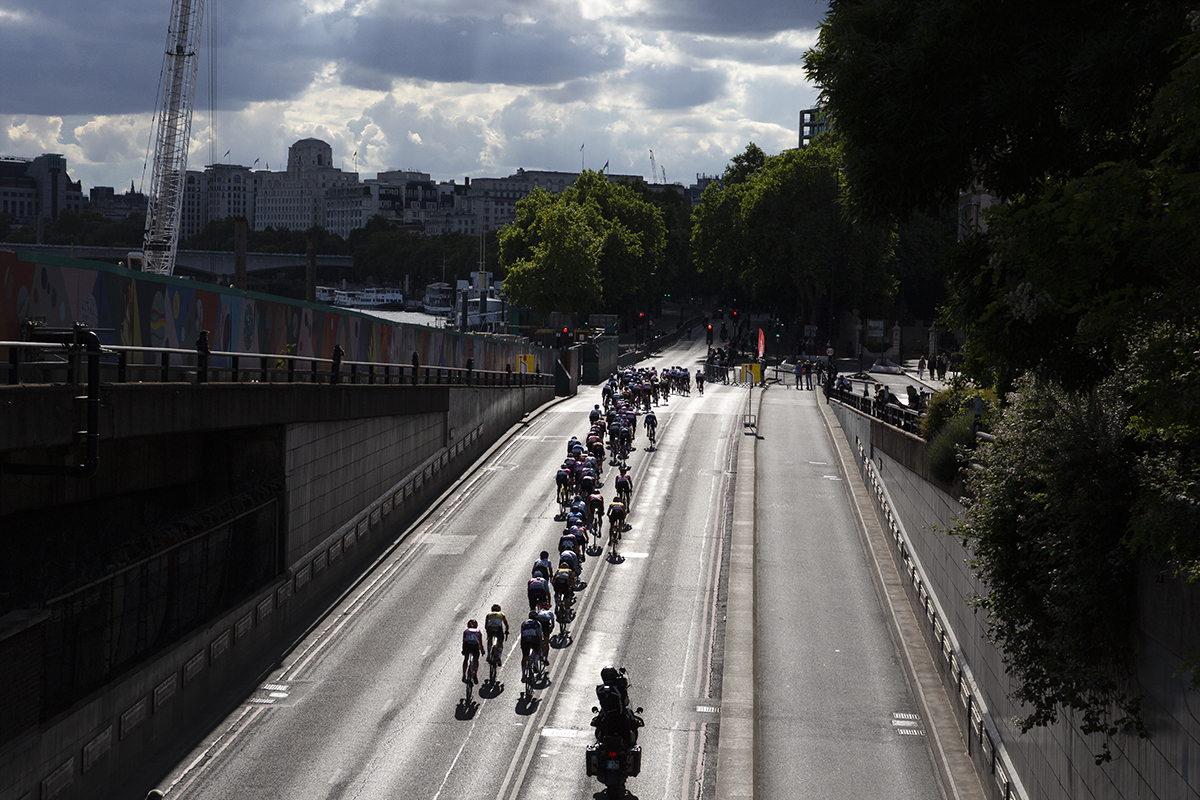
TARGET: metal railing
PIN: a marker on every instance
(59, 362)
(898, 416)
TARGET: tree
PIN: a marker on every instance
(1082, 293)
(779, 231)
(935, 96)
(559, 268)
(616, 237)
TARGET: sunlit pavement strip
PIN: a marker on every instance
(635, 555)
(562, 733)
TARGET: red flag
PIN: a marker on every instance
(762, 343)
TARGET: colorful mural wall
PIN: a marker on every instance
(145, 310)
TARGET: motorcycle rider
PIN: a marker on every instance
(615, 718)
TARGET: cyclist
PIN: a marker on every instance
(700, 382)
(594, 414)
(571, 559)
(496, 625)
(595, 508)
(545, 618)
(538, 590)
(472, 646)
(562, 479)
(542, 566)
(532, 640)
(564, 586)
(624, 486)
(616, 518)
(651, 423)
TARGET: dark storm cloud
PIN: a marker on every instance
(755, 19)
(84, 58)
(476, 50)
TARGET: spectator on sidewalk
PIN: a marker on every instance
(921, 369)
(799, 373)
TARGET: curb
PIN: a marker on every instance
(951, 761)
(736, 739)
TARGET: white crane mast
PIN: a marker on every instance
(174, 132)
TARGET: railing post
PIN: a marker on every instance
(14, 365)
(166, 367)
(263, 374)
(234, 363)
(202, 351)
(315, 377)
(291, 370)
(122, 367)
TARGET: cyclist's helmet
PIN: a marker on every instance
(472, 623)
(610, 675)
(533, 614)
(495, 607)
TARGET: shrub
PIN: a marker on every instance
(943, 451)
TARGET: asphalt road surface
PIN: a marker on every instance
(371, 704)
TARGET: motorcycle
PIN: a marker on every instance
(611, 761)
(616, 755)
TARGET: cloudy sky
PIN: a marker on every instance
(450, 88)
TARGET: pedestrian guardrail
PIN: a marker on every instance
(44, 362)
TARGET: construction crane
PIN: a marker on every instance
(653, 169)
(174, 131)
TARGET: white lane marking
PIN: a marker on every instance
(561, 733)
(458, 608)
(831, 477)
(425, 652)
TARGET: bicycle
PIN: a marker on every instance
(472, 676)
(614, 533)
(562, 613)
(532, 671)
(495, 653)
(651, 432)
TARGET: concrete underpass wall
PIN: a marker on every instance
(1053, 763)
(118, 742)
(335, 469)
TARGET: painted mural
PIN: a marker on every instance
(143, 310)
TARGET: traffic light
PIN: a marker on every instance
(566, 338)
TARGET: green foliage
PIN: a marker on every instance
(947, 404)
(1046, 529)
(946, 446)
(776, 229)
(935, 96)
(86, 229)
(595, 245)
(1086, 278)
(560, 270)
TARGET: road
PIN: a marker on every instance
(370, 704)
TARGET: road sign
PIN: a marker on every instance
(829, 352)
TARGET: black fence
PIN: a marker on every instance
(900, 416)
(97, 632)
(51, 362)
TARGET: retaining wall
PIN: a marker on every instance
(119, 741)
(1053, 763)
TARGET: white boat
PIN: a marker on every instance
(479, 319)
(370, 297)
(439, 299)
(326, 294)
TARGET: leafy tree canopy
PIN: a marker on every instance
(595, 245)
(1085, 279)
(776, 228)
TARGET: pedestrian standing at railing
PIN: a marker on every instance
(799, 373)
(416, 365)
(921, 369)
